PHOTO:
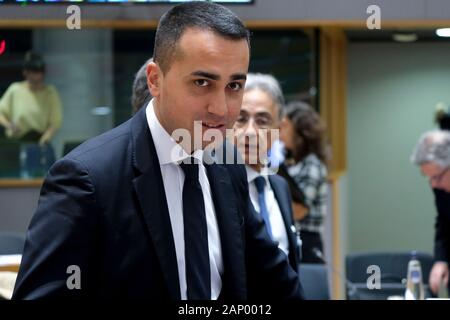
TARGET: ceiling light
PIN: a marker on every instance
(405, 37)
(443, 32)
(101, 111)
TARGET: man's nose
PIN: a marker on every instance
(218, 106)
(251, 128)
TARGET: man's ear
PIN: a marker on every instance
(153, 79)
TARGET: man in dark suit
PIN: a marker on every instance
(138, 214)
(269, 193)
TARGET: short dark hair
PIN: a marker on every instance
(140, 95)
(195, 14)
(33, 62)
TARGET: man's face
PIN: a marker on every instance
(258, 115)
(438, 176)
(204, 83)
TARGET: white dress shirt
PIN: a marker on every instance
(275, 217)
(170, 154)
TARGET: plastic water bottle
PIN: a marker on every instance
(414, 284)
(299, 243)
(24, 174)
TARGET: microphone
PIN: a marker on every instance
(353, 290)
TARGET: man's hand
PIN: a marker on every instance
(438, 273)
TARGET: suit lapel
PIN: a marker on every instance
(150, 192)
(230, 225)
(286, 212)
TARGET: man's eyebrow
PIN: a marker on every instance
(212, 76)
(264, 113)
(205, 74)
(238, 76)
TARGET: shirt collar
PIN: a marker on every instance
(252, 174)
(167, 149)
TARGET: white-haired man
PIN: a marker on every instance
(269, 193)
(432, 154)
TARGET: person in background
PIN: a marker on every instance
(442, 116)
(432, 155)
(30, 110)
(30, 113)
(301, 132)
(140, 95)
(269, 193)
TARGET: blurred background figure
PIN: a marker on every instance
(442, 116)
(140, 95)
(30, 113)
(302, 134)
(269, 193)
(30, 110)
(432, 154)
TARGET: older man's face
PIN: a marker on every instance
(438, 176)
(253, 128)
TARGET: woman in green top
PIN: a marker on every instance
(30, 110)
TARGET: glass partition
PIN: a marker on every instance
(91, 76)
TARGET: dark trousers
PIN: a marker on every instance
(311, 240)
(31, 137)
(24, 157)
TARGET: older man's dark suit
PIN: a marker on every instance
(103, 208)
(442, 226)
(283, 197)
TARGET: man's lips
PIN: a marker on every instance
(213, 125)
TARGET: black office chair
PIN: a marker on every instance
(11, 243)
(314, 279)
(393, 268)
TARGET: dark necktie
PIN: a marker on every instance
(260, 183)
(198, 273)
